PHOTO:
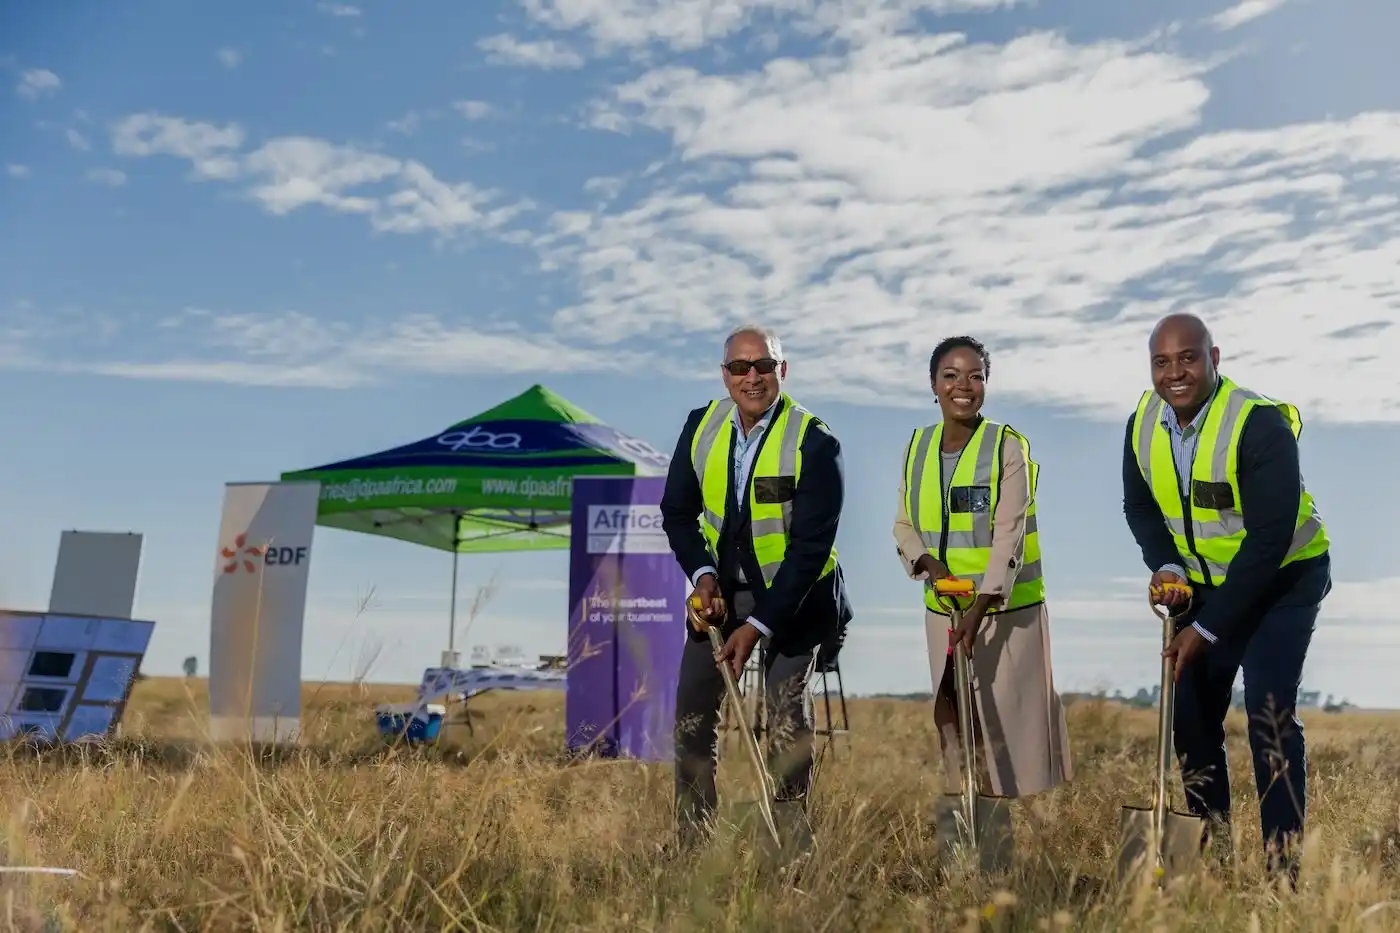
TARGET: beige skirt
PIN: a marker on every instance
(1018, 713)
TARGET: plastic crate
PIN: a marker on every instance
(396, 720)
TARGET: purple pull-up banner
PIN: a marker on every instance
(626, 621)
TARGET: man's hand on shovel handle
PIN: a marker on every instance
(1187, 644)
(1168, 589)
(706, 605)
(737, 649)
(1174, 593)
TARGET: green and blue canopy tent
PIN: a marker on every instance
(498, 481)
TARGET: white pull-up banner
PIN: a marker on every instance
(255, 632)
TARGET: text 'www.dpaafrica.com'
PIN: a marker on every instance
(527, 487)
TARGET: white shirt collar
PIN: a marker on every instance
(1170, 421)
(760, 425)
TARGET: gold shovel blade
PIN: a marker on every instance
(795, 833)
(1135, 844)
(1182, 838)
(1180, 841)
(992, 844)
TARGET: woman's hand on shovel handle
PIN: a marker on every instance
(966, 632)
(928, 567)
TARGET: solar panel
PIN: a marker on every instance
(66, 677)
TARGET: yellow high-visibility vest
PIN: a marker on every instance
(1208, 526)
(957, 528)
(776, 472)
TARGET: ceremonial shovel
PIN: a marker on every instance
(736, 700)
(968, 821)
(1156, 835)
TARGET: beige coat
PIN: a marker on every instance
(1019, 714)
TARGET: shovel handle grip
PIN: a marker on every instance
(1155, 595)
(693, 608)
(952, 586)
(1159, 592)
(948, 590)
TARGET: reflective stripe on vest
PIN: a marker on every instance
(1210, 538)
(779, 458)
(957, 529)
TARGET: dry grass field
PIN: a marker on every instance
(494, 831)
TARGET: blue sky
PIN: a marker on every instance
(293, 232)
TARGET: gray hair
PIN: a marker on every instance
(769, 337)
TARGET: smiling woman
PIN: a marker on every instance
(967, 509)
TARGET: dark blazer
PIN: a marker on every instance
(1270, 483)
(800, 612)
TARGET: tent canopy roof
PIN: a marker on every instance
(497, 481)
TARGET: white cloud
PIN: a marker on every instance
(546, 53)
(1244, 12)
(1362, 599)
(37, 82)
(684, 25)
(406, 124)
(229, 57)
(473, 109)
(289, 173)
(338, 9)
(290, 349)
(110, 177)
(235, 372)
(1048, 196)
(77, 140)
(211, 149)
(15, 170)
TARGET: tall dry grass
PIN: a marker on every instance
(494, 831)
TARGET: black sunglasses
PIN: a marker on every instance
(742, 367)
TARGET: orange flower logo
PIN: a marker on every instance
(241, 554)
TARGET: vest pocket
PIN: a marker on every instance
(963, 499)
(770, 490)
(1217, 496)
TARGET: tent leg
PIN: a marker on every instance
(452, 611)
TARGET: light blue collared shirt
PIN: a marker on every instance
(745, 450)
(1184, 443)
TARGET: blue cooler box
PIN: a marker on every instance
(396, 720)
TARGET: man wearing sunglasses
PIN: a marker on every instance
(751, 507)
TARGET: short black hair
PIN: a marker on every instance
(949, 344)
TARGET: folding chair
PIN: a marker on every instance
(830, 729)
(755, 701)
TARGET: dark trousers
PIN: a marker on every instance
(698, 696)
(1273, 671)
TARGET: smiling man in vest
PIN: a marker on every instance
(1213, 493)
(751, 506)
